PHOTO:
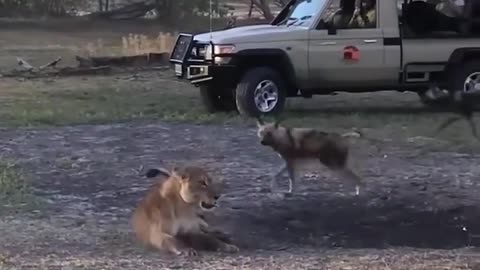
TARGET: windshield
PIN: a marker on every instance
(302, 12)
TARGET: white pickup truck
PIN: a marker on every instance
(318, 47)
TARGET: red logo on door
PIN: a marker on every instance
(351, 53)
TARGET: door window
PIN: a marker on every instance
(344, 14)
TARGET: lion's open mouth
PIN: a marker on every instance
(207, 206)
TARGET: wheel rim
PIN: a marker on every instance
(266, 96)
(472, 83)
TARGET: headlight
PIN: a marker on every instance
(218, 49)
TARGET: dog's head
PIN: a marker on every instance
(266, 131)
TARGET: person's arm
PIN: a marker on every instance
(372, 18)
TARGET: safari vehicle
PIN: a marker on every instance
(318, 47)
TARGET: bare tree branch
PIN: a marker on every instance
(52, 63)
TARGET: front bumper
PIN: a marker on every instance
(189, 64)
(198, 73)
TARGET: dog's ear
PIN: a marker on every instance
(260, 122)
(277, 122)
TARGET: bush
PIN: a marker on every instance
(29, 8)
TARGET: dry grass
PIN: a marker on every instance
(136, 44)
(110, 99)
(132, 44)
(107, 99)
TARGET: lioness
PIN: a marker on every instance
(169, 217)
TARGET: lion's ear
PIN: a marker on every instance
(180, 173)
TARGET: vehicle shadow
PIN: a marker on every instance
(374, 110)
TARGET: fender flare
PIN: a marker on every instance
(286, 66)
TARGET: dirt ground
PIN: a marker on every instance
(419, 210)
(417, 213)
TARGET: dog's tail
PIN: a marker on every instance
(355, 133)
(151, 173)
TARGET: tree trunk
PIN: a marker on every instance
(100, 5)
(281, 3)
(131, 11)
(265, 7)
(252, 4)
(168, 11)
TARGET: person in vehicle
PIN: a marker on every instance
(367, 16)
(341, 19)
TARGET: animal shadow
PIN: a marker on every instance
(353, 222)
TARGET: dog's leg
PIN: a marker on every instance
(347, 174)
(292, 176)
(473, 127)
(274, 190)
(273, 182)
(447, 123)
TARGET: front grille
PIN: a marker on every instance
(182, 47)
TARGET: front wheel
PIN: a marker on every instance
(260, 91)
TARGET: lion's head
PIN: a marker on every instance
(197, 187)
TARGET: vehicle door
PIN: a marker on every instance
(347, 50)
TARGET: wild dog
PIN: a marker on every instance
(170, 217)
(297, 146)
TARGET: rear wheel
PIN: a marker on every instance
(217, 100)
(465, 79)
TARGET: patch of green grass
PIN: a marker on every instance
(69, 101)
(101, 102)
(15, 193)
